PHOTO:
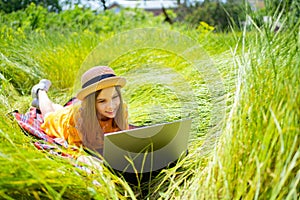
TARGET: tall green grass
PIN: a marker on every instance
(255, 156)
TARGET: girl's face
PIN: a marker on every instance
(107, 103)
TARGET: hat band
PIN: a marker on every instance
(97, 79)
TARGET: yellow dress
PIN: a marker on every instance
(61, 124)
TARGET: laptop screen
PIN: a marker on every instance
(148, 148)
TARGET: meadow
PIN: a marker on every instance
(241, 89)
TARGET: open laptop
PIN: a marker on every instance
(147, 149)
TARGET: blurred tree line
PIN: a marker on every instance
(9, 6)
(222, 15)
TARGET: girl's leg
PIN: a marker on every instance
(41, 99)
(45, 104)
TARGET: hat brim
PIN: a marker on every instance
(105, 83)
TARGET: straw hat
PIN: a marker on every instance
(98, 78)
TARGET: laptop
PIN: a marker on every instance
(147, 149)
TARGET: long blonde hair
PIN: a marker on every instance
(91, 133)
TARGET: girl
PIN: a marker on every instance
(100, 109)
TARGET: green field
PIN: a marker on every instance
(241, 88)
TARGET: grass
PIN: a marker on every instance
(251, 152)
